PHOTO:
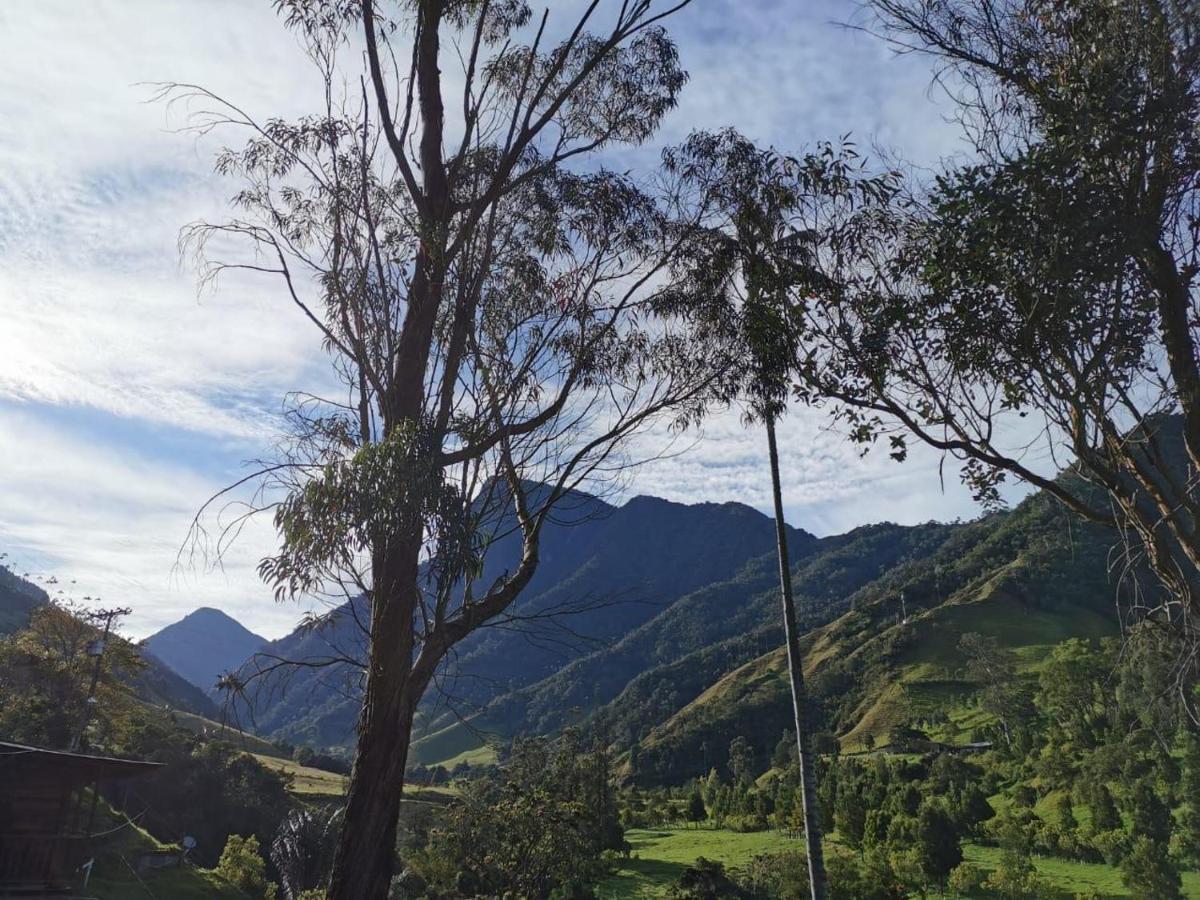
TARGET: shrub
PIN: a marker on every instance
(777, 876)
(706, 880)
(242, 865)
(966, 879)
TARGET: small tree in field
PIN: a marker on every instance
(1148, 873)
(938, 845)
(486, 310)
(696, 812)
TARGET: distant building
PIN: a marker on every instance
(45, 816)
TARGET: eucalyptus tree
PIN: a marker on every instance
(1037, 306)
(758, 223)
(486, 309)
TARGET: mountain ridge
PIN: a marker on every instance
(613, 569)
(157, 683)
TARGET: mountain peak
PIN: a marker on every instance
(204, 644)
(209, 614)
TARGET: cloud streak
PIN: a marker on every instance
(126, 400)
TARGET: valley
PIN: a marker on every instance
(686, 685)
(600, 450)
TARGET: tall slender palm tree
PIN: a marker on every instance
(750, 262)
(769, 410)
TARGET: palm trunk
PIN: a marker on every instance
(808, 782)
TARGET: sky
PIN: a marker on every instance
(128, 397)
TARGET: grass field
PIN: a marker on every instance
(660, 855)
(452, 745)
(178, 884)
(1076, 878)
(242, 739)
(305, 779)
(114, 879)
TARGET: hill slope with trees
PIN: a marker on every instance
(606, 571)
(1030, 578)
(154, 682)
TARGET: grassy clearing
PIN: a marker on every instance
(251, 743)
(114, 879)
(660, 855)
(1071, 878)
(452, 745)
(178, 884)
(305, 779)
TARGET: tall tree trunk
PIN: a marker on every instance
(362, 866)
(808, 782)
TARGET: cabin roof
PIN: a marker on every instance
(15, 758)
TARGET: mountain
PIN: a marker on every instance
(18, 599)
(1031, 578)
(614, 569)
(678, 647)
(204, 645)
(653, 670)
(156, 683)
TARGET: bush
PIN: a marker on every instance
(242, 865)
(706, 880)
(1112, 845)
(966, 879)
(777, 876)
(540, 824)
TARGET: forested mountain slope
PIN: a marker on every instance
(676, 648)
(156, 683)
(605, 571)
(1030, 578)
(18, 598)
(658, 667)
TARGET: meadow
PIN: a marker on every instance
(660, 855)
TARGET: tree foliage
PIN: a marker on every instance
(484, 299)
(1038, 302)
(540, 824)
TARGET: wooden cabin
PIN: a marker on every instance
(45, 816)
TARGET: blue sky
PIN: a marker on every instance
(126, 398)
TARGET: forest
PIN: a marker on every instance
(517, 681)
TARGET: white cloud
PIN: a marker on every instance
(114, 521)
(828, 486)
(99, 322)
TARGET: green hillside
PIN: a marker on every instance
(114, 876)
(605, 572)
(654, 671)
(1030, 578)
